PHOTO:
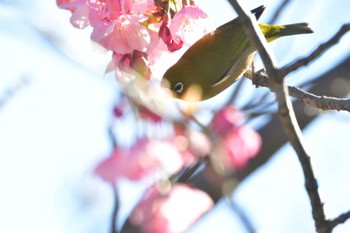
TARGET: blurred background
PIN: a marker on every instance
(55, 107)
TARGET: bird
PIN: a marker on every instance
(220, 58)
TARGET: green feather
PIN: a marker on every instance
(218, 59)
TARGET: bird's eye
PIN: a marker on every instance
(179, 87)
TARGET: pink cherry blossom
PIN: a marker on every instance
(120, 7)
(97, 11)
(142, 159)
(129, 66)
(63, 4)
(80, 12)
(237, 147)
(114, 9)
(199, 143)
(189, 25)
(226, 119)
(141, 6)
(158, 154)
(122, 35)
(182, 144)
(84, 12)
(165, 34)
(110, 168)
(171, 212)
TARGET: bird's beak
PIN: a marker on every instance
(194, 93)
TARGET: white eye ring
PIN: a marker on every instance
(179, 87)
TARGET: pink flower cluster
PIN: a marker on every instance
(235, 143)
(147, 156)
(175, 207)
(172, 211)
(137, 31)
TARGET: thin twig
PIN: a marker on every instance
(258, 114)
(261, 102)
(317, 52)
(235, 92)
(279, 10)
(190, 171)
(339, 220)
(248, 225)
(114, 227)
(256, 37)
(321, 102)
(260, 78)
(112, 137)
(286, 113)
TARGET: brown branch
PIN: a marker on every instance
(286, 112)
(272, 142)
(339, 220)
(317, 52)
(321, 102)
(260, 78)
(256, 37)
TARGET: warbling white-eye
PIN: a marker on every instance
(220, 58)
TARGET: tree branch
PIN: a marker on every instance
(241, 214)
(286, 112)
(321, 102)
(317, 52)
(260, 78)
(339, 220)
(272, 142)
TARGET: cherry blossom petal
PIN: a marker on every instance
(141, 6)
(137, 36)
(79, 9)
(189, 25)
(238, 146)
(80, 17)
(165, 34)
(199, 143)
(171, 212)
(123, 164)
(159, 154)
(114, 9)
(97, 11)
(110, 168)
(122, 35)
(66, 4)
(144, 158)
(226, 119)
(154, 97)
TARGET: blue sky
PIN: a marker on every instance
(53, 130)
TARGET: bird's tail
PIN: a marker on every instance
(273, 32)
